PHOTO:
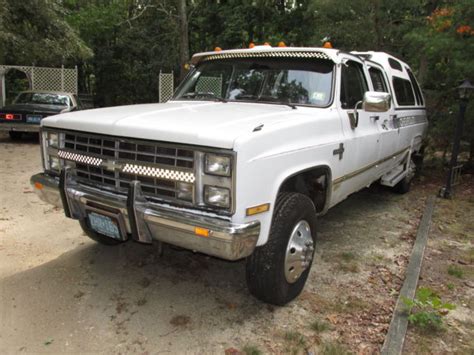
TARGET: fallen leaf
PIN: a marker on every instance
(180, 320)
(232, 351)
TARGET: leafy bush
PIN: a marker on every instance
(427, 309)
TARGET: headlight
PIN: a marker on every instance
(53, 140)
(217, 165)
(54, 163)
(185, 191)
(217, 196)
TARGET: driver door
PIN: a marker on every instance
(361, 130)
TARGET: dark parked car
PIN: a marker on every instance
(30, 107)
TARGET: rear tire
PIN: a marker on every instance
(404, 185)
(268, 268)
(15, 136)
(99, 238)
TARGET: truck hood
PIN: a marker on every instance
(214, 124)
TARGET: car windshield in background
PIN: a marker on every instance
(273, 80)
(42, 99)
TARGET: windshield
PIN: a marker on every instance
(276, 80)
(42, 98)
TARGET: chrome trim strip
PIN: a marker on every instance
(365, 168)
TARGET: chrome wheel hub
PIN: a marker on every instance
(299, 251)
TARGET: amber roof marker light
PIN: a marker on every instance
(327, 44)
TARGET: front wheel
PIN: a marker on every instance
(277, 271)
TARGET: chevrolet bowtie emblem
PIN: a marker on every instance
(111, 165)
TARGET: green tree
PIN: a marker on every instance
(35, 32)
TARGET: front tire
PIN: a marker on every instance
(277, 271)
(99, 238)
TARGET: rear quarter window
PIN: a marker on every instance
(419, 95)
(403, 92)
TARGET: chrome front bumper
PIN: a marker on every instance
(145, 221)
(19, 127)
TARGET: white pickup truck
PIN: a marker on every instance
(254, 145)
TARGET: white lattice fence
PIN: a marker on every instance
(40, 78)
(54, 79)
(165, 86)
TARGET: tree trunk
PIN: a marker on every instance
(376, 20)
(423, 69)
(183, 38)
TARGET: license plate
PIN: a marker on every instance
(104, 225)
(33, 118)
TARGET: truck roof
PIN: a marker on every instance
(392, 65)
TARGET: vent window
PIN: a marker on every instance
(378, 80)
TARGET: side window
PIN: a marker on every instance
(378, 80)
(353, 84)
(403, 92)
(419, 96)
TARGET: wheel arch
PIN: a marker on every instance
(314, 182)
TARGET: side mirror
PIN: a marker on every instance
(375, 101)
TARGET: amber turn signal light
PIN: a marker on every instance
(257, 209)
(202, 232)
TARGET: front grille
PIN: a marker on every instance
(127, 151)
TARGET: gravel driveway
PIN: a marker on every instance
(61, 292)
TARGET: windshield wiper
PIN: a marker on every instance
(287, 102)
(204, 93)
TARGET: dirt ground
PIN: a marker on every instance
(61, 292)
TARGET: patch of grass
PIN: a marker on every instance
(295, 342)
(470, 255)
(333, 348)
(251, 350)
(377, 257)
(347, 262)
(347, 256)
(350, 305)
(319, 326)
(455, 270)
(450, 286)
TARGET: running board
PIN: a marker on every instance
(394, 176)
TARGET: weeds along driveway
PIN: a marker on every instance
(61, 292)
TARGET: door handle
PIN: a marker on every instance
(375, 118)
